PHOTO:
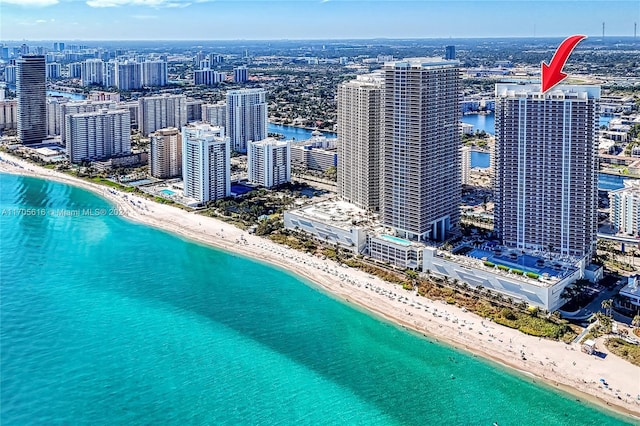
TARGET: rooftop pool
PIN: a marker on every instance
(524, 262)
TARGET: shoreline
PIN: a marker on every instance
(574, 373)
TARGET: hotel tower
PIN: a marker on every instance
(420, 157)
(546, 182)
(359, 121)
(32, 99)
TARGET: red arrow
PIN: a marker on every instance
(552, 74)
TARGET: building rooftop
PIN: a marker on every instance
(336, 213)
(419, 63)
(534, 91)
(633, 286)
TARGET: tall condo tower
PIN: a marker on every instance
(420, 165)
(98, 135)
(247, 117)
(269, 162)
(32, 99)
(546, 182)
(158, 112)
(206, 162)
(359, 121)
(165, 155)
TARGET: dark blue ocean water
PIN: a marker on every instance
(104, 321)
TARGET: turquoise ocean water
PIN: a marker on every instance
(104, 321)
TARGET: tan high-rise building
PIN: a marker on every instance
(546, 173)
(359, 127)
(161, 111)
(165, 154)
(421, 140)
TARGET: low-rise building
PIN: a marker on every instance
(522, 277)
(629, 299)
(395, 251)
(318, 153)
(331, 222)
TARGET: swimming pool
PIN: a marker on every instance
(167, 191)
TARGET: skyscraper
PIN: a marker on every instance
(625, 208)
(269, 162)
(247, 117)
(206, 162)
(450, 53)
(359, 125)
(128, 76)
(165, 155)
(98, 135)
(546, 182)
(421, 189)
(92, 72)
(158, 112)
(215, 114)
(32, 99)
(154, 73)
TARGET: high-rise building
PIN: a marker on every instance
(165, 154)
(53, 71)
(158, 112)
(128, 76)
(61, 108)
(359, 125)
(110, 75)
(421, 189)
(10, 72)
(625, 209)
(98, 135)
(269, 162)
(206, 162)
(32, 99)
(450, 52)
(154, 73)
(240, 74)
(247, 117)
(75, 70)
(194, 110)
(92, 72)
(546, 181)
(215, 114)
(208, 77)
(465, 156)
(8, 114)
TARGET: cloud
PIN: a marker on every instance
(150, 3)
(31, 3)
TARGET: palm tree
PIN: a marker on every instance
(636, 321)
(606, 305)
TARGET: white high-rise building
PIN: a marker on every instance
(158, 112)
(206, 162)
(269, 162)
(32, 99)
(240, 74)
(546, 165)
(154, 73)
(92, 72)
(165, 153)
(8, 114)
(208, 77)
(625, 209)
(60, 109)
(359, 126)
(465, 155)
(420, 174)
(10, 72)
(215, 114)
(128, 76)
(75, 70)
(247, 117)
(54, 71)
(98, 135)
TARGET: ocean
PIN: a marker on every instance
(105, 321)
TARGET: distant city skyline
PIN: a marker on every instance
(310, 19)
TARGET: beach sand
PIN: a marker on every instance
(558, 364)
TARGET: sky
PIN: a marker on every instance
(310, 19)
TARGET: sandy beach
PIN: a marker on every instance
(560, 365)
